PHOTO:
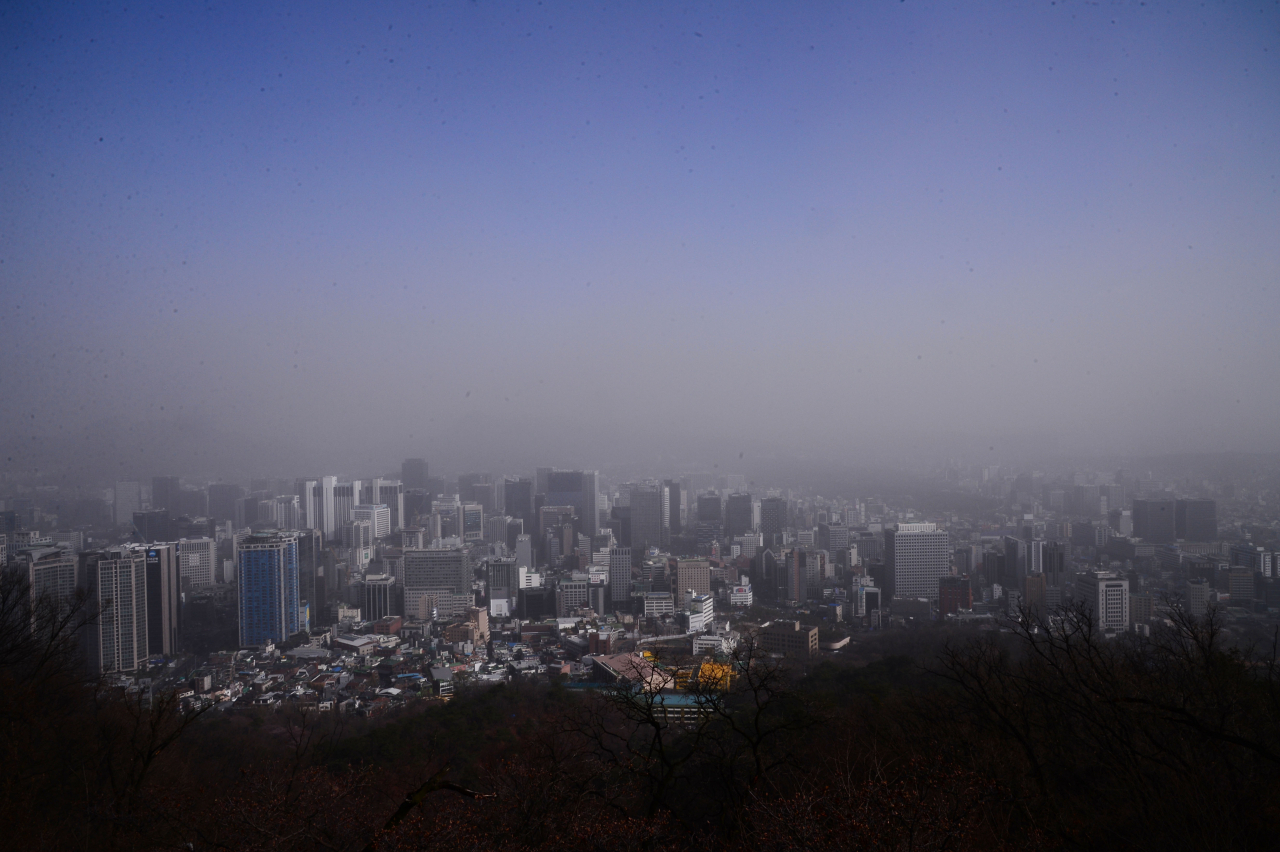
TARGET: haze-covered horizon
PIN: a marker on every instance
(507, 236)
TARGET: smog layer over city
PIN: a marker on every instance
(537, 426)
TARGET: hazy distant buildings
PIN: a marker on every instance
(738, 515)
(267, 577)
(518, 499)
(128, 502)
(413, 473)
(1155, 521)
(153, 525)
(1196, 520)
(650, 515)
(579, 489)
(773, 520)
(917, 556)
(164, 493)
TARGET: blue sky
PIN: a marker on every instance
(260, 213)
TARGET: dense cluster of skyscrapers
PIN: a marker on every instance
(259, 565)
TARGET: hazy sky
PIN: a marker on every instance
(535, 231)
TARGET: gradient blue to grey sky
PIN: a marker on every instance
(819, 225)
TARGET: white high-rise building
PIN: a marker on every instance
(287, 512)
(117, 582)
(378, 516)
(197, 562)
(1106, 594)
(389, 493)
(51, 573)
(917, 556)
(308, 491)
(346, 496)
(325, 508)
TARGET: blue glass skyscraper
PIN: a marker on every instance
(267, 572)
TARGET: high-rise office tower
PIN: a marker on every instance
(153, 525)
(308, 491)
(1155, 521)
(773, 520)
(917, 556)
(164, 492)
(191, 502)
(471, 522)
(710, 509)
(738, 515)
(443, 572)
(389, 493)
(310, 573)
(325, 507)
(284, 511)
(379, 596)
(52, 574)
(515, 529)
(579, 489)
(524, 551)
(128, 502)
(378, 516)
(358, 534)
(518, 499)
(222, 500)
(1196, 520)
(473, 488)
(677, 502)
(164, 601)
(267, 574)
(1106, 595)
(116, 579)
(495, 529)
(417, 504)
(692, 574)
(501, 577)
(954, 594)
(650, 516)
(346, 496)
(620, 577)
(549, 535)
(1015, 563)
(413, 473)
(197, 560)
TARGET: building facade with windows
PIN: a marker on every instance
(267, 577)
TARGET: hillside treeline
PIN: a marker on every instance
(1043, 737)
